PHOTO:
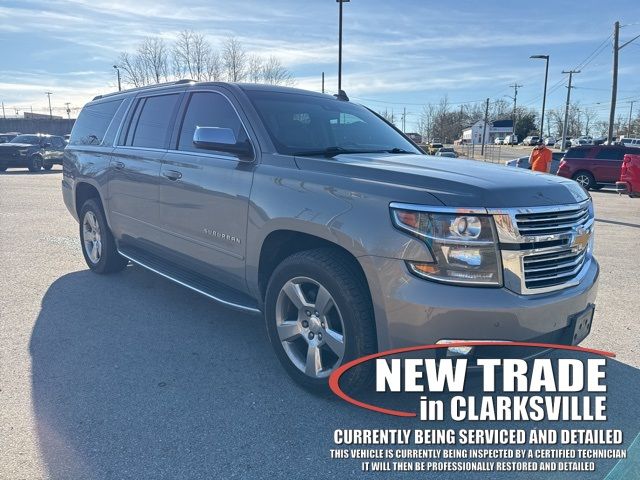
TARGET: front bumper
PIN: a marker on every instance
(412, 311)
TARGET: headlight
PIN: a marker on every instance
(464, 246)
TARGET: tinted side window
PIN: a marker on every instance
(208, 109)
(610, 154)
(578, 152)
(92, 123)
(156, 116)
(57, 142)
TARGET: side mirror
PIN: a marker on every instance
(222, 140)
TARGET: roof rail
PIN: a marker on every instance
(146, 87)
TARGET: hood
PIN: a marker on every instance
(455, 182)
(16, 145)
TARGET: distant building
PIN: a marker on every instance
(495, 129)
(32, 115)
(416, 137)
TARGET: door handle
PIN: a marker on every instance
(172, 174)
(118, 165)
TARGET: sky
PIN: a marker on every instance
(396, 54)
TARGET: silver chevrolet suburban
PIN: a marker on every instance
(318, 214)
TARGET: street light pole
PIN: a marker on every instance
(544, 95)
(630, 113)
(340, 47)
(50, 111)
(118, 72)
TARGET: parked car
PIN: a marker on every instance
(7, 137)
(510, 140)
(567, 143)
(550, 141)
(446, 152)
(531, 140)
(432, 148)
(577, 142)
(594, 166)
(630, 142)
(32, 151)
(341, 234)
(498, 141)
(523, 162)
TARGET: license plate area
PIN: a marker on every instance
(580, 324)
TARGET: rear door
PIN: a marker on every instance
(204, 194)
(135, 167)
(609, 161)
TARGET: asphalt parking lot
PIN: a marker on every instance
(131, 376)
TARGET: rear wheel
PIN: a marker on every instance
(585, 179)
(98, 245)
(47, 166)
(319, 316)
(35, 163)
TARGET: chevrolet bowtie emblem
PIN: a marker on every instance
(581, 239)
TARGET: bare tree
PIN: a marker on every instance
(134, 70)
(254, 68)
(234, 60)
(214, 67)
(589, 116)
(274, 73)
(192, 55)
(155, 57)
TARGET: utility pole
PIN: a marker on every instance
(68, 110)
(50, 111)
(340, 47)
(484, 128)
(566, 110)
(322, 82)
(4, 115)
(614, 86)
(404, 120)
(630, 112)
(515, 87)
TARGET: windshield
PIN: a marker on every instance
(300, 124)
(30, 139)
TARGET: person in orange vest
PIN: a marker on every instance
(540, 158)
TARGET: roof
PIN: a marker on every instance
(506, 123)
(243, 86)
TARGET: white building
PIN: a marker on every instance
(498, 128)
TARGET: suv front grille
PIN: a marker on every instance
(545, 248)
(549, 269)
(552, 223)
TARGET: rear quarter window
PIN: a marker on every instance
(92, 123)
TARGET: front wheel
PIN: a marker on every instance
(98, 245)
(585, 179)
(35, 163)
(48, 166)
(319, 316)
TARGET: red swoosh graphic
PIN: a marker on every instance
(334, 379)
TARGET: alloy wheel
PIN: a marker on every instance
(310, 327)
(91, 237)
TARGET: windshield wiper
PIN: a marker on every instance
(400, 150)
(333, 151)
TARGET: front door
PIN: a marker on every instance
(204, 194)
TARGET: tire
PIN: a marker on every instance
(349, 313)
(585, 179)
(97, 242)
(47, 166)
(35, 163)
